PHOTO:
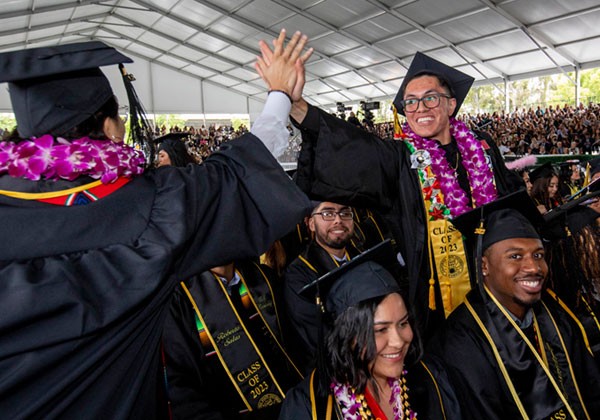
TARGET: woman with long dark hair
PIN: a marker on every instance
(370, 361)
(545, 190)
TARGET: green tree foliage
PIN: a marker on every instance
(538, 91)
(483, 98)
(169, 120)
(237, 122)
(7, 122)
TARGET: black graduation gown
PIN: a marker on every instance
(303, 313)
(341, 163)
(478, 380)
(429, 393)
(573, 254)
(198, 387)
(85, 289)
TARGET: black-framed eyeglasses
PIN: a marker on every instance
(329, 215)
(429, 101)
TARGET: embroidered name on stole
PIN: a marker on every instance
(226, 331)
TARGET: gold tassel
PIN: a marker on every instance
(432, 294)
(398, 133)
(480, 230)
(588, 175)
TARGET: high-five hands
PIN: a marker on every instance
(283, 67)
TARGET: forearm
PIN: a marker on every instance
(271, 126)
(299, 110)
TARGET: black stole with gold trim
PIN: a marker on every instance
(540, 373)
(243, 337)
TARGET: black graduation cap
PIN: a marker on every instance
(572, 216)
(362, 278)
(543, 171)
(512, 216)
(53, 89)
(423, 64)
(594, 166)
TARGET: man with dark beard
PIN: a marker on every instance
(332, 227)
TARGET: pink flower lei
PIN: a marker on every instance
(474, 161)
(47, 158)
(351, 404)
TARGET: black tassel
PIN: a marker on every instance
(140, 131)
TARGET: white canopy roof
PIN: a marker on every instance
(196, 56)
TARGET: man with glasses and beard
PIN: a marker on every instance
(331, 226)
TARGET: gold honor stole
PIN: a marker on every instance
(445, 241)
(223, 330)
(448, 251)
(450, 262)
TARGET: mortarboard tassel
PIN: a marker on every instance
(432, 294)
(398, 133)
(140, 131)
(588, 175)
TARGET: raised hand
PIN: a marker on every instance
(283, 67)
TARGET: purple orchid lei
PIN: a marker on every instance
(345, 395)
(400, 407)
(47, 158)
(348, 401)
(479, 173)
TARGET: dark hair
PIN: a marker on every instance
(443, 80)
(539, 192)
(177, 151)
(350, 345)
(93, 127)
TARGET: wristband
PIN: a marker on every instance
(284, 92)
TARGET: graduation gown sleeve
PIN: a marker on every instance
(85, 288)
(188, 387)
(507, 181)
(256, 204)
(342, 163)
(303, 315)
(297, 404)
(473, 373)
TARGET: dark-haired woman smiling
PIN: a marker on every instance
(370, 364)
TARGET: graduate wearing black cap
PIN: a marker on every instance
(93, 245)
(439, 171)
(572, 245)
(594, 168)
(545, 187)
(370, 359)
(593, 177)
(172, 150)
(511, 349)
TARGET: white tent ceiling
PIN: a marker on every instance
(195, 56)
